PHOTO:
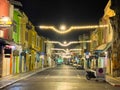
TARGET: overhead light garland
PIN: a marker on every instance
(66, 50)
(72, 28)
(67, 44)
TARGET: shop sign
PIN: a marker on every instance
(100, 73)
(5, 22)
(7, 55)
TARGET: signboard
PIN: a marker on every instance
(100, 73)
(5, 22)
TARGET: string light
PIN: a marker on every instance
(67, 44)
(66, 50)
(72, 28)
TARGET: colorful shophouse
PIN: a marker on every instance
(43, 57)
(17, 21)
(103, 39)
(24, 43)
(21, 48)
(32, 37)
(37, 61)
(5, 49)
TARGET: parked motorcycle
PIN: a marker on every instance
(90, 74)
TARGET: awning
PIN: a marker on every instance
(103, 47)
(108, 45)
(3, 42)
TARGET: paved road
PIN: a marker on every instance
(62, 77)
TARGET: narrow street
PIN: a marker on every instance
(62, 77)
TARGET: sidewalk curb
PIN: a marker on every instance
(12, 82)
(113, 84)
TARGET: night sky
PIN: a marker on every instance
(69, 12)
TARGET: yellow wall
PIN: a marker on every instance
(23, 30)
